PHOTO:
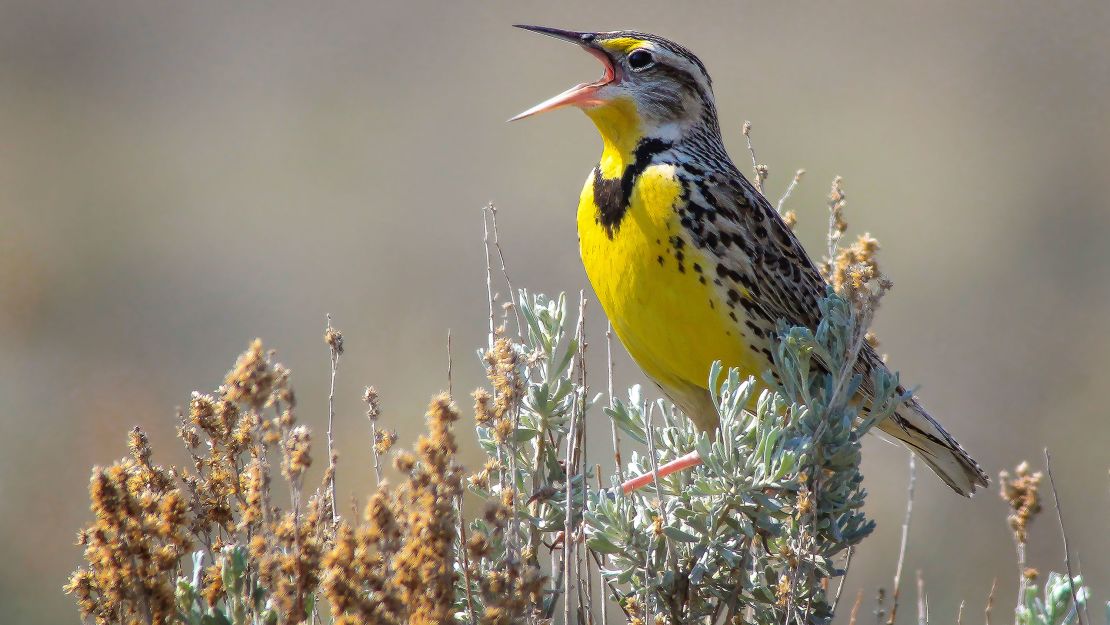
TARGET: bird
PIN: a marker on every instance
(690, 262)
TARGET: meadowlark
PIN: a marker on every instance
(690, 262)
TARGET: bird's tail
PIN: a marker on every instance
(926, 438)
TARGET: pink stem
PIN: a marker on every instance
(685, 462)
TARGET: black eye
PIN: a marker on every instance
(640, 59)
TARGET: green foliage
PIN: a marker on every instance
(758, 526)
(542, 401)
(756, 529)
(1057, 606)
(756, 533)
(237, 587)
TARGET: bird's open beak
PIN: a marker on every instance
(582, 95)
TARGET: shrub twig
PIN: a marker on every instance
(334, 340)
(1080, 611)
(905, 540)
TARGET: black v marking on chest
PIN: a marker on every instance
(612, 195)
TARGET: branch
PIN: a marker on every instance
(1079, 613)
(905, 538)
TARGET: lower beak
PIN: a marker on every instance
(582, 95)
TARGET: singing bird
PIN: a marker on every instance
(690, 262)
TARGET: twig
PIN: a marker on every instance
(370, 396)
(489, 274)
(450, 365)
(466, 564)
(504, 270)
(579, 456)
(922, 601)
(760, 171)
(658, 495)
(990, 602)
(568, 537)
(334, 339)
(612, 400)
(905, 539)
(599, 562)
(672, 557)
(790, 189)
(960, 613)
(1023, 581)
(570, 463)
(616, 594)
(855, 608)
(1079, 612)
(843, 578)
(836, 223)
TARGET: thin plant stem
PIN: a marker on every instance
(843, 578)
(492, 208)
(790, 189)
(905, 540)
(990, 602)
(922, 601)
(1079, 611)
(336, 349)
(579, 455)
(467, 581)
(568, 537)
(489, 274)
(758, 174)
(612, 399)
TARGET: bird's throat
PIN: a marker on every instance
(621, 130)
(626, 155)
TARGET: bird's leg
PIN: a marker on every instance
(685, 462)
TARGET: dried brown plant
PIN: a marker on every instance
(1021, 491)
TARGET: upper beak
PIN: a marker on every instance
(584, 94)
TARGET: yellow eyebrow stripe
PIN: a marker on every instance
(622, 44)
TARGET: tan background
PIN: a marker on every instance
(177, 178)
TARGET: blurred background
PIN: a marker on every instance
(178, 178)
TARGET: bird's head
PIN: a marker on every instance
(651, 86)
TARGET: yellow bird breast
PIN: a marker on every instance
(657, 290)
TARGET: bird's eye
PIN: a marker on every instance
(640, 59)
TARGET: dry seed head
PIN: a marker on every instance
(252, 379)
(384, 440)
(837, 202)
(501, 369)
(404, 462)
(783, 591)
(482, 414)
(1022, 492)
(370, 396)
(805, 503)
(503, 431)
(139, 533)
(855, 266)
(213, 587)
(295, 454)
(334, 339)
(139, 445)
